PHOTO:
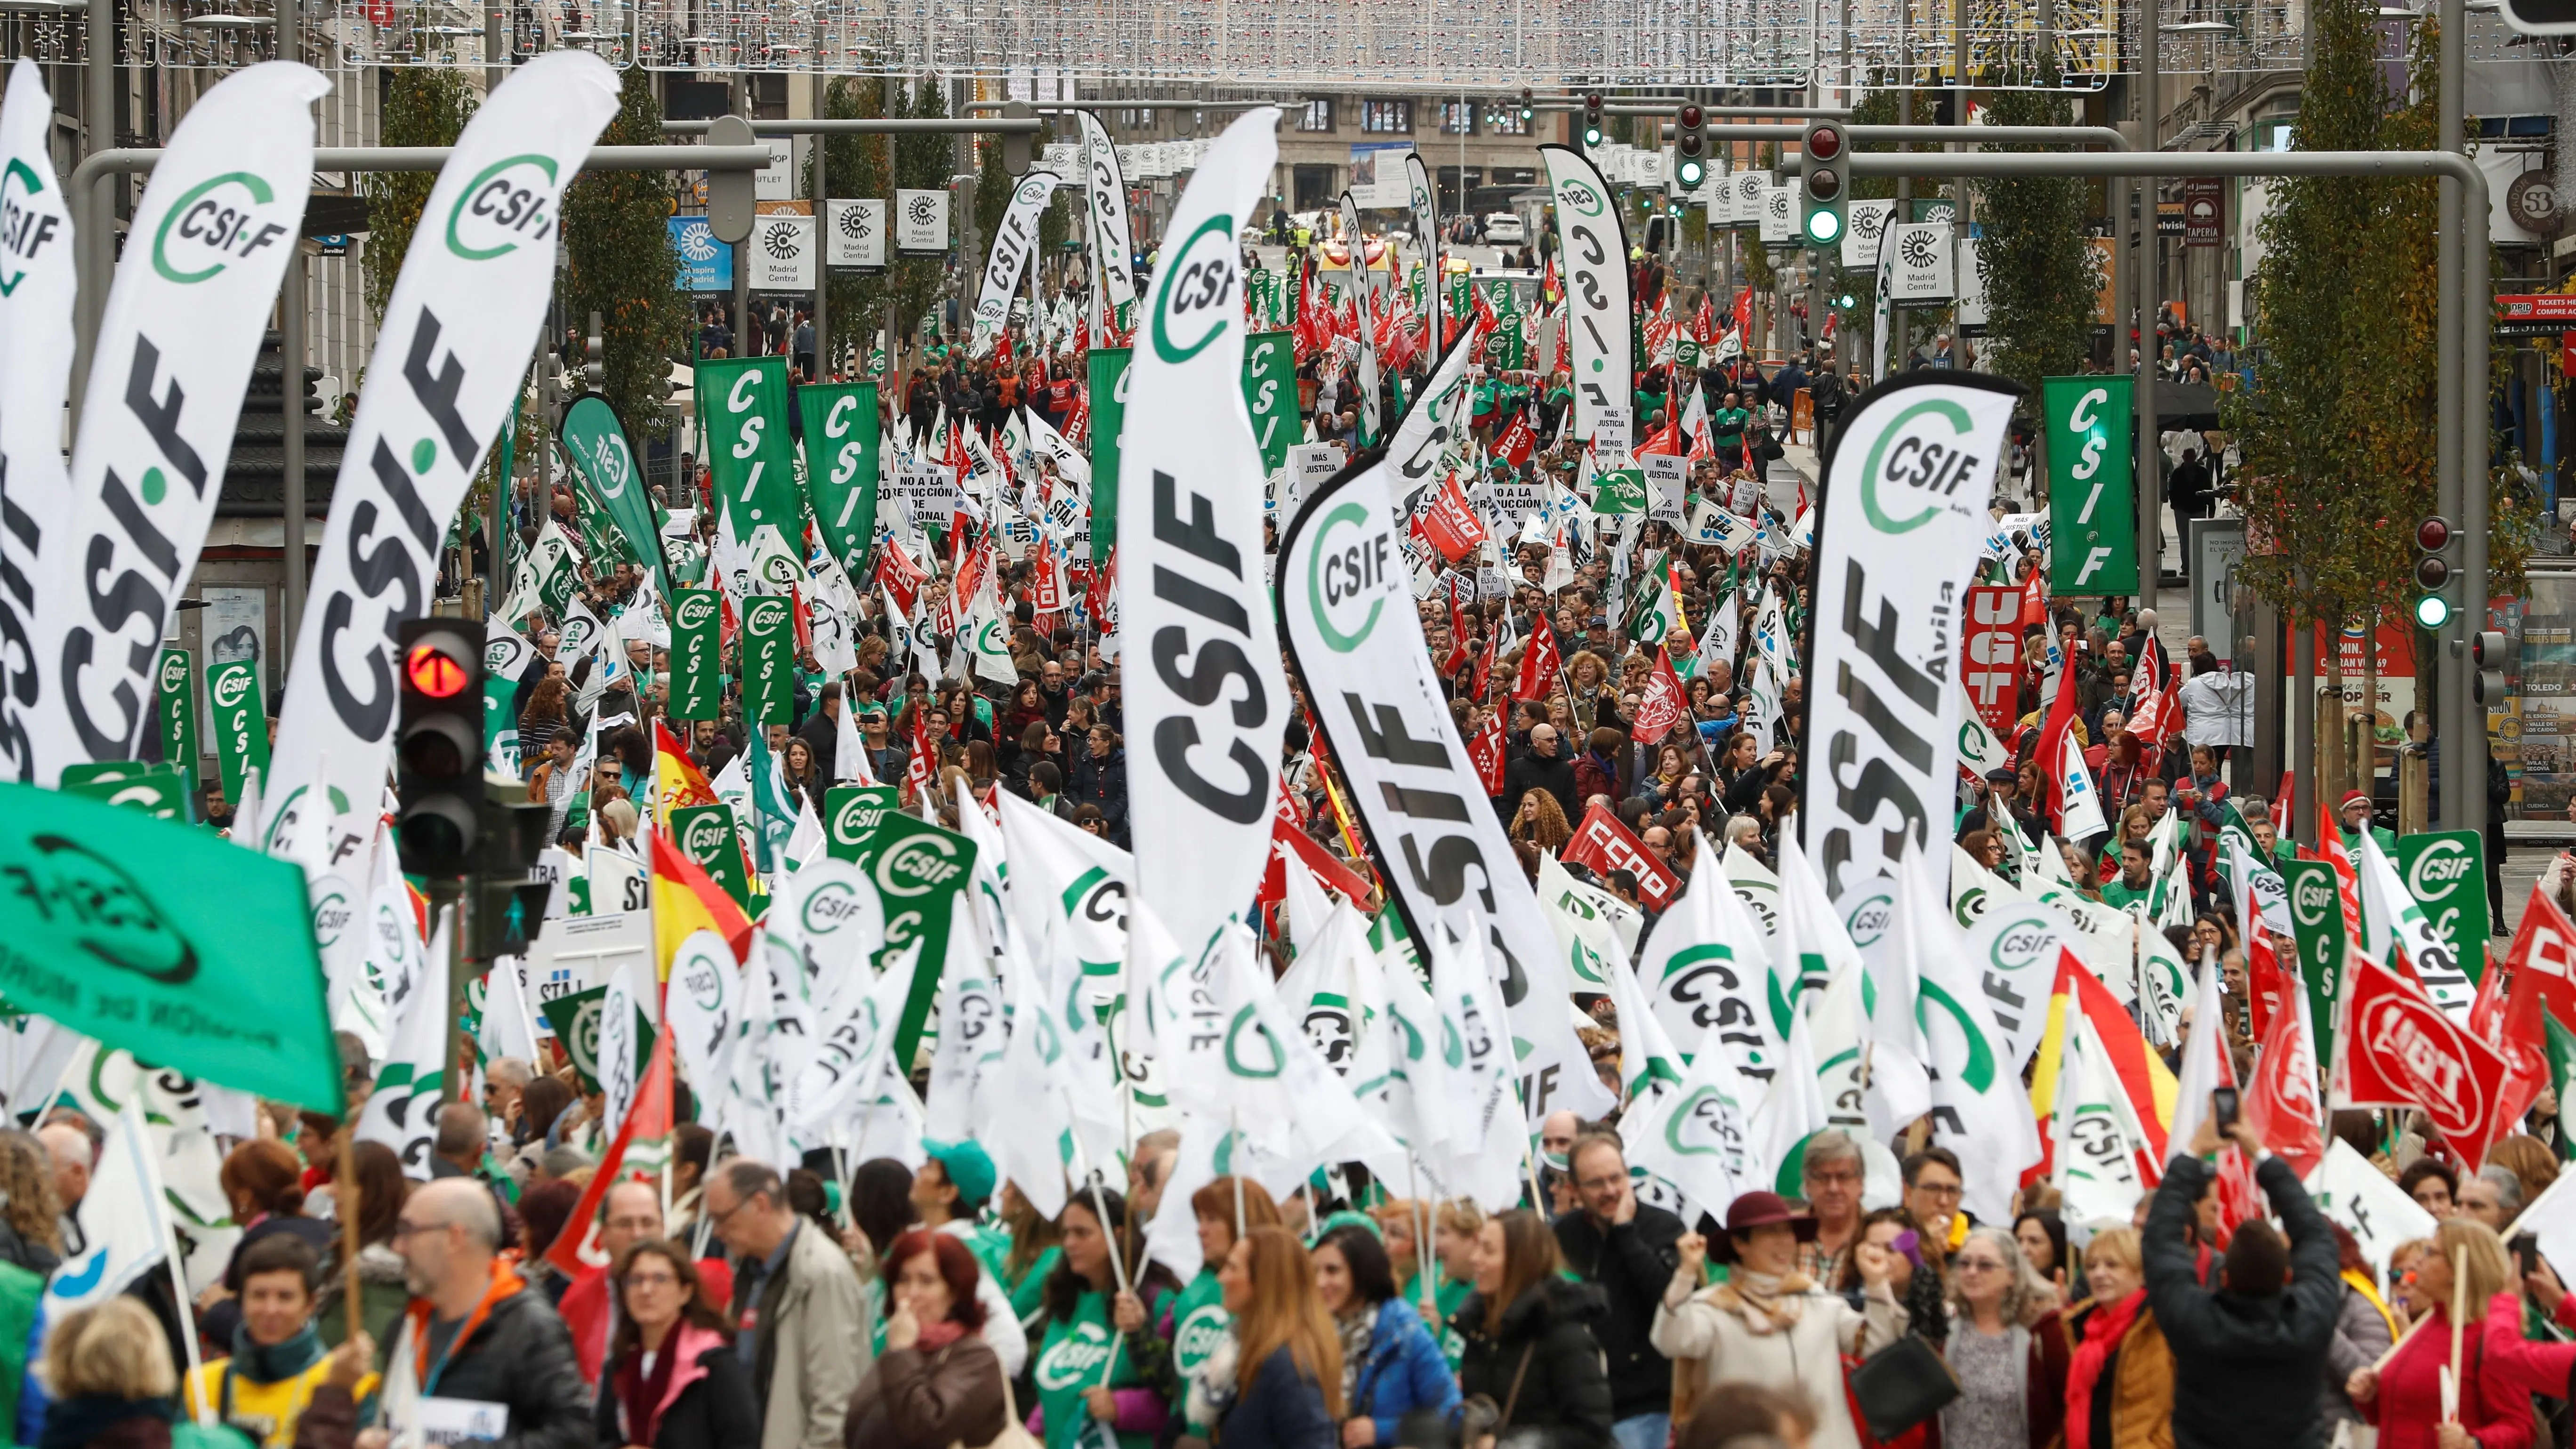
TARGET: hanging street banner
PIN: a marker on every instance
(1270, 393)
(1205, 702)
(182, 326)
(1113, 254)
(177, 698)
(240, 722)
(2092, 471)
(36, 284)
(743, 405)
(1425, 204)
(1907, 478)
(2445, 871)
(444, 380)
(603, 468)
(1015, 242)
(1593, 241)
(166, 940)
(1111, 369)
(697, 654)
(1346, 608)
(768, 648)
(841, 468)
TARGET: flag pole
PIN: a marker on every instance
(1423, 1257)
(1234, 1129)
(348, 1205)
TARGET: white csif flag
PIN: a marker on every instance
(1015, 245)
(122, 1219)
(174, 353)
(402, 1114)
(36, 284)
(445, 376)
(1206, 704)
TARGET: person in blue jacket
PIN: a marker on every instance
(1400, 1372)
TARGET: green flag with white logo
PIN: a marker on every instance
(850, 817)
(743, 404)
(920, 872)
(177, 698)
(241, 722)
(841, 467)
(768, 649)
(2316, 923)
(706, 835)
(2092, 473)
(1270, 391)
(2445, 871)
(575, 1022)
(697, 654)
(617, 510)
(1108, 396)
(167, 941)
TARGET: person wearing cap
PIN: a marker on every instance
(1769, 1323)
(2356, 821)
(949, 1193)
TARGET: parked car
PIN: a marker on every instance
(1503, 229)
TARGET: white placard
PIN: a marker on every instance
(1920, 271)
(782, 253)
(920, 220)
(1780, 212)
(855, 233)
(1744, 197)
(1613, 438)
(1666, 474)
(1860, 241)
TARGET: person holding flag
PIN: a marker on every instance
(277, 1363)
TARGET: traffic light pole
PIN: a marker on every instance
(2466, 296)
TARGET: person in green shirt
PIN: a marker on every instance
(1726, 426)
(948, 1196)
(1033, 1254)
(2356, 820)
(1101, 1358)
(2133, 883)
(1200, 1324)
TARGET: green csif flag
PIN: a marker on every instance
(2316, 922)
(178, 709)
(1270, 393)
(743, 405)
(768, 650)
(166, 940)
(2092, 475)
(2446, 872)
(851, 814)
(241, 722)
(841, 467)
(611, 489)
(1108, 394)
(921, 872)
(697, 654)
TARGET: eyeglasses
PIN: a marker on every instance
(1937, 1189)
(406, 1228)
(652, 1280)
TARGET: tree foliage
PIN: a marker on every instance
(423, 107)
(922, 162)
(2041, 274)
(619, 262)
(2339, 432)
(857, 166)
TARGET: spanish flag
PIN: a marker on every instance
(2143, 1077)
(686, 901)
(678, 783)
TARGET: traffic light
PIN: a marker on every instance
(1592, 133)
(1846, 302)
(2432, 572)
(2486, 651)
(438, 745)
(1826, 194)
(1019, 148)
(1529, 106)
(1690, 148)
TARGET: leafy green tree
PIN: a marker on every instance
(857, 166)
(619, 262)
(922, 162)
(2040, 270)
(423, 107)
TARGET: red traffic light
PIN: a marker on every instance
(1690, 115)
(1592, 101)
(2433, 534)
(435, 672)
(1824, 143)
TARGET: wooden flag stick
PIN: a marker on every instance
(348, 1210)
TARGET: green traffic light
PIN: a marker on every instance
(1824, 226)
(2432, 611)
(1846, 301)
(1693, 172)
(1592, 135)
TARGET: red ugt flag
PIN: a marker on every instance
(2399, 1050)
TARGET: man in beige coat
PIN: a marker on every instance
(800, 1318)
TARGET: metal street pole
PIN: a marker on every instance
(293, 314)
(822, 268)
(2460, 439)
(2150, 450)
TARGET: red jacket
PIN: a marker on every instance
(2493, 1406)
(2530, 1366)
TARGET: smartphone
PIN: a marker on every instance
(2526, 1254)
(2222, 1108)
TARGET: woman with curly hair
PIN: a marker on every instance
(549, 709)
(1540, 821)
(31, 1233)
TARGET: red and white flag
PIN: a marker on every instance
(1540, 663)
(1485, 752)
(1665, 704)
(1449, 524)
(2397, 1049)
(1605, 845)
(2281, 1102)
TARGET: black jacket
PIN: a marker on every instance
(520, 1356)
(1284, 1409)
(1555, 776)
(1564, 1395)
(718, 1411)
(1633, 1263)
(2245, 1369)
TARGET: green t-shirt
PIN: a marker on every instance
(990, 1247)
(2116, 892)
(1074, 1356)
(1028, 1291)
(1726, 426)
(1199, 1324)
(1447, 1298)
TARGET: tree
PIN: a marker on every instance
(619, 262)
(422, 108)
(922, 162)
(857, 166)
(2040, 270)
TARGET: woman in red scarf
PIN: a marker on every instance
(673, 1380)
(2120, 1383)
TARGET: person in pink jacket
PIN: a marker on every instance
(2404, 1399)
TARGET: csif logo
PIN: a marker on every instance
(25, 230)
(2439, 870)
(229, 687)
(1869, 917)
(831, 906)
(2312, 899)
(1345, 574)
(697, 610)
(1918, 452)
(174, 671)
(918, 866)
(508, 202)
(1579, 195)
(610, 461)
(1198, 282)
(703, 837)
(763, 618)
(221, 220)
(856, 819)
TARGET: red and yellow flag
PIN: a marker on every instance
(686, 901)
(678, 783)
(2142, 1075)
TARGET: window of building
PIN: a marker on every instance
(1457, 118)
(1316, 115)
(1387, 118)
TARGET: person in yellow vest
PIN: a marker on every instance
(277, 1359)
